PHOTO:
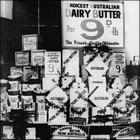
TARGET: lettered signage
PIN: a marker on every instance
(95, 22)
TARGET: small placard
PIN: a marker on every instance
(29, 42)
(52, 63)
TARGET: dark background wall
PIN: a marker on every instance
(29, 17)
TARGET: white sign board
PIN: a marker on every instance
(52, 63)
(95, 22)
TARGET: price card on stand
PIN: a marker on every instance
(117, 65)
(52, 63)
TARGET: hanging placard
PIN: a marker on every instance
(52, 63)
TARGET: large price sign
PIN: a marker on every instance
(94, 22)
(52, 63)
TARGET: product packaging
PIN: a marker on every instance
(38, 57)
(22, 58)
(78, 103)
(70, 65)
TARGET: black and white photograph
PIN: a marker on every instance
(69, 69)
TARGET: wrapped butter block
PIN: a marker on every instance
(57, 97)
(30, 42)
(14, 86)
(49, 82)
(94, 82)
(22, 58)
(117, 66)
(78, 102)
(38, 57)
(57, 115)
(70, 65)
(97, 67)
(98, 96)
(52, 63)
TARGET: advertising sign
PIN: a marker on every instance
(70, 62)
(94, 22)
(69, 132)
(118, 65)
(52, 63)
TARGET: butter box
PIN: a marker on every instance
(38, 57)
(30, 42)
(16, 71)
(22, 58)
(57, 96)
(29, 73)
(57, 115)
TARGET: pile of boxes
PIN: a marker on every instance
(64, 89)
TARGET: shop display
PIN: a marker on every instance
(76, 93)
(86, 90)
(16, 72)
